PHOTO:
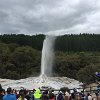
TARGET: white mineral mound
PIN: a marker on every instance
(36, 82)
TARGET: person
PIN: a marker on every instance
(82, 95)
(45, 95)
(52, 96)
(98, 88)
(0, 86)
(72, 97)
(88, 97)
(32, 94)
(97, 74)
(66, 96)
(60, 96)
(26, 93)
(21, 95)
(77, 96)
(9, 95)
(1, 94)
(37, 94)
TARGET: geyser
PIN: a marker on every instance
(47, 55)
(46, 70)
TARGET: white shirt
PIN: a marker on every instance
(89, 97)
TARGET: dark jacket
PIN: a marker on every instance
(60, 96)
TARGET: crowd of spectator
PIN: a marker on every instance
(38, 94)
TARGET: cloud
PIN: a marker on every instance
(49, 16)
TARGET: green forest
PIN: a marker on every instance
(76, 56)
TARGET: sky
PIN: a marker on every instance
(49, 16)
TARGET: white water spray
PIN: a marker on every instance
(47, 56)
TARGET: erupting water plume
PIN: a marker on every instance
(47, 56)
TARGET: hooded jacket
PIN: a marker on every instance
(37, 94)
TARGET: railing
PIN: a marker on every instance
(89, 89)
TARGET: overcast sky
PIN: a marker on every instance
(49, 16)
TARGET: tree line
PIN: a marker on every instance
(69, 43)
(76, 56)
(81, 42)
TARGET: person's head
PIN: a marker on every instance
(9, 90)
(45, 92)
(1, 90)
(0, 86)
(88, 94)
(51, 95)
(34, 90)
(14, 91)
(37, 91)
(21, 92)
